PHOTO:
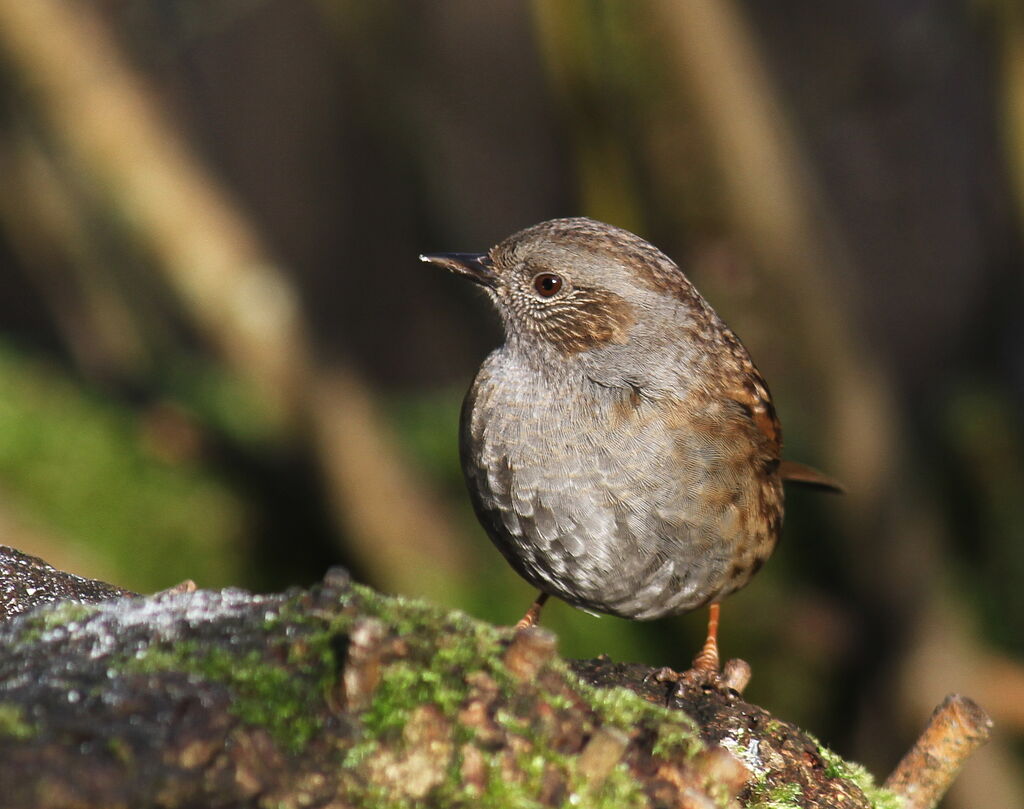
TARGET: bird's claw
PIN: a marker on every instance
(734, 676)
(663, 675)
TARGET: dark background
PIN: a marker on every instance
(221, 360)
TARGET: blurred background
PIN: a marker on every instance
(220, 358)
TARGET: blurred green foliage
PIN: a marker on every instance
(75, 462)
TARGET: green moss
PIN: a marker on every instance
(435, 673)
(838, 767)
(763, 793)
(13, 723)
(401, 689)
(720, 794)
(787, 796)
(533, 769)
(264, 694)
(677, 733)
(64, 613)
(619, 789)
(410, 617)
(47, 619)
(784, 796)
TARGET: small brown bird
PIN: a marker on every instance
(620, 449)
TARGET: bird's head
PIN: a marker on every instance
(581, 291)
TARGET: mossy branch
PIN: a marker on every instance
(340, 696)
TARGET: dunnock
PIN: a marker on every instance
(620, 448)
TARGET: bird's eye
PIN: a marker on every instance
(547, 284)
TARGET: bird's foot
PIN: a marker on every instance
(733, 676)
(706, 672)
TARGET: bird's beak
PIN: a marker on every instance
(477, 267)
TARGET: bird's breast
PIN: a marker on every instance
(609, 499)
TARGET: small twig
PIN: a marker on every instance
(736, 674)
(601, 754)
(530, 649)
(956, 729)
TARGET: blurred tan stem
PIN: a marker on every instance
(1011, 34)
(403, 536)
(114, 134)
(573, 47)
(49, 231)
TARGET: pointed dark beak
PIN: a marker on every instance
(477, 267)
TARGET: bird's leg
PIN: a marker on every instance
(707, 660)
(532, 617)
(704, 670)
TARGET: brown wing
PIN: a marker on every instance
(750, 392)
(752, 395)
